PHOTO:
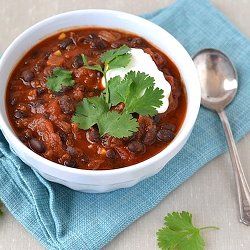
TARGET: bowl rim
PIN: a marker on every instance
(184, 131)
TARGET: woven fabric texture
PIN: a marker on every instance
(64, 219)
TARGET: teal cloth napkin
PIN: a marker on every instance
(64, 219)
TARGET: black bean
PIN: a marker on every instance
(20, 114)
(158, 59)
(157, 119)
(66, 105)
(96, 43)
(37, 145)
(101, 44)
(136, 147)
(46, 114)
(63, 136)
(96, 92)
(70, 163)
(93, 135)
(71, 151)
(135, 42)
(47, 54)
(12, 100)
(35, 53)
(37, 103)
(85, 40)
(169, 126)
(135, 115)
(115, 45)
(94, 53)
(77, 62)
(22, 138)
(150, 136)
(111, 154)
(40, 91)
(165, 135)
(65, 43)
(129, 138)
(28, 75)
(58, 93)
(84, 158)
(92, 35)
(66, 88)
(63, 90)
(99, 74)
(37, 106)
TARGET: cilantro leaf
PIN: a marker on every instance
(114, 58)
(140, 81)
(59, 78)
(178, 221)
(110, 55)
(147, 103)
(117, 124)
(120, 61)
(136, 91)
(119, 90)
(89, 111)
(179, 233)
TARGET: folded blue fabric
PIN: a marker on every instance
(64, 219)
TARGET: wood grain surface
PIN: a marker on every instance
(210, 195)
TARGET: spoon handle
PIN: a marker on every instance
(241, 182)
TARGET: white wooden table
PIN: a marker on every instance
(210, 195)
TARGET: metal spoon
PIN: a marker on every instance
(218, 79)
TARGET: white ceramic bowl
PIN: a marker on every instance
(103, 180)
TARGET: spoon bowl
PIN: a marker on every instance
(218, 78)
(219, 84)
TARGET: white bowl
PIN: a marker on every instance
(103, 180)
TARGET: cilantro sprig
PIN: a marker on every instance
(136, 91)
(111, 59)
(95, 110)
(179, 233)
(59, 78)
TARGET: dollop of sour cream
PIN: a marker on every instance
(141, 61)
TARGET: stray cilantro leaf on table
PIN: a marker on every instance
(179, 233)
(60, 78)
